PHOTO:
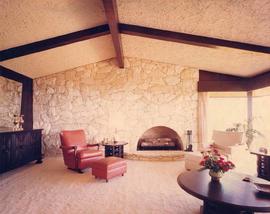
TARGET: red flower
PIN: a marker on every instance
(213, 160)
(202, 163)
(225, 168)
(229, 162)
(215, 151)
(220, 163)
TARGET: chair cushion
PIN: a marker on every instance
(87, 153)
(109, 163)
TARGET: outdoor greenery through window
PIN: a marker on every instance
(227, 109)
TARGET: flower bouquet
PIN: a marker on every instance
(218, 165)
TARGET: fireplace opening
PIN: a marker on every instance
(160, 138)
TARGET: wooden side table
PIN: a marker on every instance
(115, 149)
(263, 165)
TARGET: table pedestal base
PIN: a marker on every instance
(213, 208)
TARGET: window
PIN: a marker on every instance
(261, 113)
(224, 110)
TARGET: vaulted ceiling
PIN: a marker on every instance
(245, 21)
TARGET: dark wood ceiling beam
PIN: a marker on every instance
(260, 81)
(221, 86)
(126, 29)
(13, 75)
(189, 38)
(211, 81)
(54, 42)
(110, 7)
(214, 76)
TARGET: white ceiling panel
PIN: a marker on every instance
(26, 21)
(221, 60)
(243, 20)
(62, 58)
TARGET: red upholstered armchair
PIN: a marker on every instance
(77, 153)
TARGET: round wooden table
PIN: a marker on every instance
(230, 195)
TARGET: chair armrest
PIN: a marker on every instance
(93, 145)
(69, 149)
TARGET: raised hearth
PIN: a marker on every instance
(175, 155)
(160, 138)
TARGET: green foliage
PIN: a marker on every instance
(250, 133)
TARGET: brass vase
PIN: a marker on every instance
(215, 176)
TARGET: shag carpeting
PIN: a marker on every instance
(147, 187)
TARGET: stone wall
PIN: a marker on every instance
(10, 100)
(110, 102)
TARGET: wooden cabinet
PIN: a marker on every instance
(263, 165)
(263, 168)
(18, 148)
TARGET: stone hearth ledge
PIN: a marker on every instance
(155, 155)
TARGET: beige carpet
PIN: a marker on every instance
(147, 187)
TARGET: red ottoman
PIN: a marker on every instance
(109, 167)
